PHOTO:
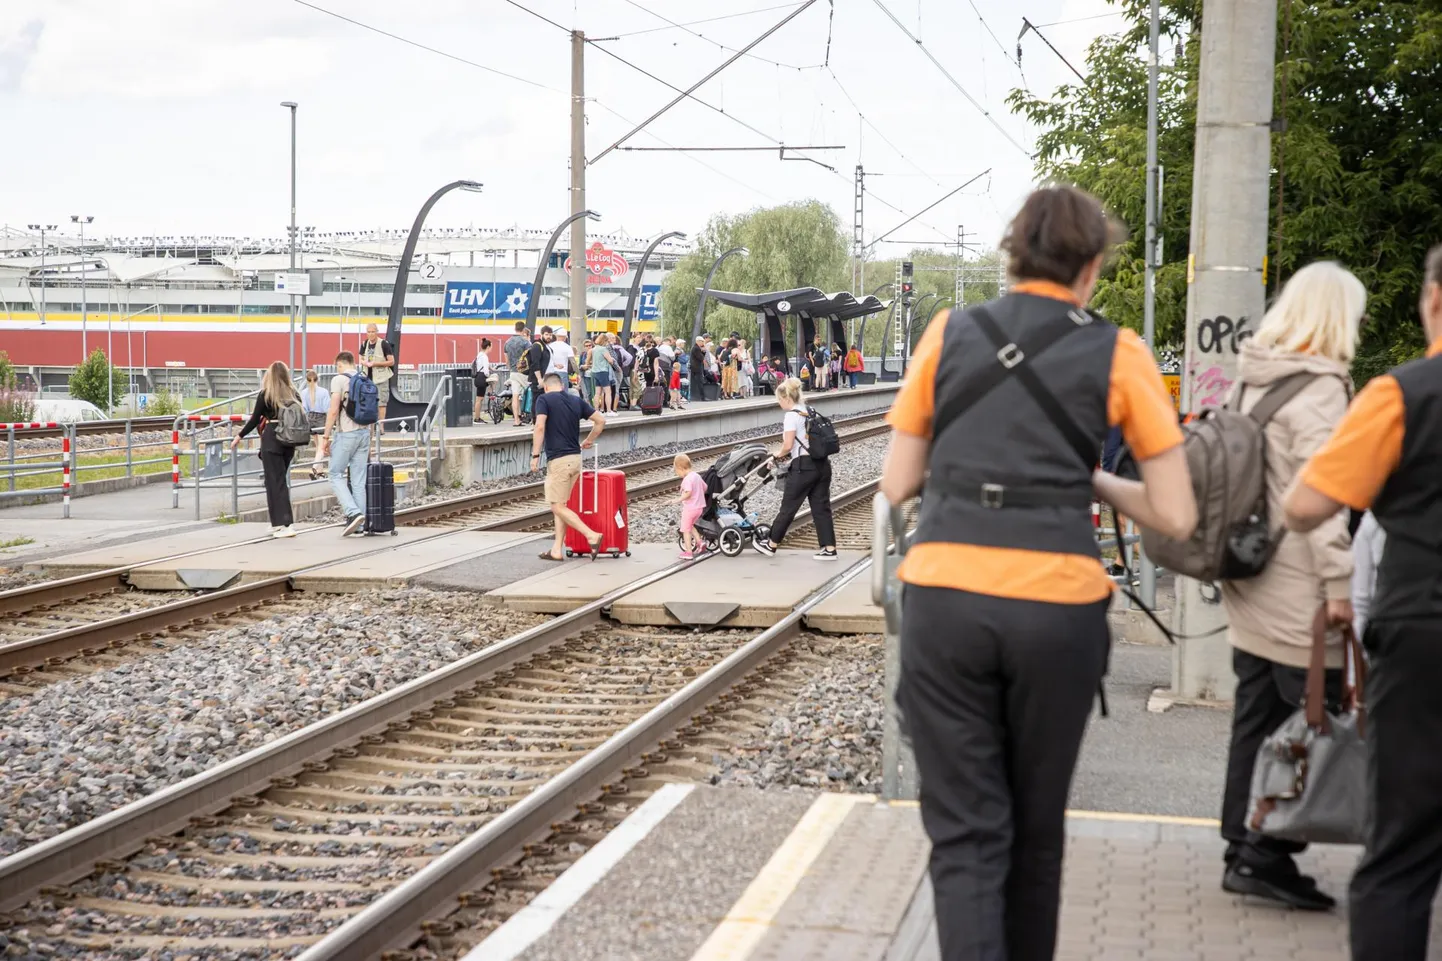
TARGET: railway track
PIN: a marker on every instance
(104, 622)
(423, 790)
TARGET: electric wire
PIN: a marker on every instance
(693, 23)
(947, 74)
(753, 56)
(430, 49)
(876, 130)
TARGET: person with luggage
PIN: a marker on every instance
(854, 365)
(1004, 628)
(276, 394)
(378, 361)
(1300, 358)
(516, 347)
(348, 444)
(558, 432)
(808, 477)
(481, 376)
(1383, 457)
(693, 505)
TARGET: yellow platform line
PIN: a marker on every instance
(753, 913)
(1145, 818)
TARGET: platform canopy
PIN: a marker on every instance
(809, 304)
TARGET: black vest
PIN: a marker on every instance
(1006, 441)
(1409, 507)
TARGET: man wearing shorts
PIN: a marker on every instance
(516, 346)
(558, 431)
(378, 361)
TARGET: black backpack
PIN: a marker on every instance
(821, 438)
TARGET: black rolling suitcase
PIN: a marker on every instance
(653, 398)
(380, 498)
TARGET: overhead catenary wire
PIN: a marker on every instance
(429, 49)
(789, 66)
(885, 139)
(954, 82)
(694, 23)
(930, 206)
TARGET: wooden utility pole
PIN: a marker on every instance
(579, 274)
(1225, 270)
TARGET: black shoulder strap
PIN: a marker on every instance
(1012, 360)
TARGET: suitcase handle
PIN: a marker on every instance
(595, 478)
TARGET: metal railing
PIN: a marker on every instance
(217, 455)
(33, 466)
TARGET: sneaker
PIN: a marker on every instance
(764, 547)
(285, 532)
(686, 556)
(1288, 888)
(829, 554)
(354, 524)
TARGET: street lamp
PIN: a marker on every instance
(706, 290)
(291, 105)
(403, 269)
(861, 335)
(44, 229)
(576, 264)
(84, 304)
(636, 283)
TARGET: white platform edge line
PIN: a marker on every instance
(527, 926)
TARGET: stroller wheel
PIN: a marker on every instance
(731, 542)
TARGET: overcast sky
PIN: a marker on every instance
(163, 116)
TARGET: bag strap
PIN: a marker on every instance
(1278, 395)
(1354, 676)
(1010, 359)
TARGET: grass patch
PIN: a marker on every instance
(16, 542)
(90, 467)
(224, 518)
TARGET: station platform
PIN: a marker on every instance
(484, 452)
(715, 874)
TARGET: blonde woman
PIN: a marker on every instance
(1309, 337)
(807, 479)
(276, 391)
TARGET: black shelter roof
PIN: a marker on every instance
(809, 301)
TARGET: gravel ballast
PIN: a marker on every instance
(827, 737)
(79, 748)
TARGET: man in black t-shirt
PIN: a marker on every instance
(539, 357)
(652, 358)
(558, 431)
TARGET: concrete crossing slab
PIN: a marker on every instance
(766, 588)
(210, 537)
(566, 585)
(402, 563)
(848, 611)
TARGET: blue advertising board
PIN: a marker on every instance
(650, 306)
(482, 298)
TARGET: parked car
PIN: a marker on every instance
(67, 411)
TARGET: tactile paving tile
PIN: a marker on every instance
(850, 902)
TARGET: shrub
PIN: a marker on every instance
(163, 404)
(88, 381)
(16, 406)
(7, 372)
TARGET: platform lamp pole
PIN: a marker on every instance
(403, 269)
(576, 264)
(910, 322)
(44, 229)
(706, 290)
(291, 105)
(861, 334)
(84, 303)
(636, 282)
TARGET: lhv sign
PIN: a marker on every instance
(467, 298)
(603, 264)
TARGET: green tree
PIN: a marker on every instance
(7, 372)
(1359, 166)
(795, 245)
(88, 381)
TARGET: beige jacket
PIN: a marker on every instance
(1271, 615)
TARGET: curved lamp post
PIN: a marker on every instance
(536, 285)
(910, 323)
(861, 335)
(636, 283)
(403, 269)
(706, 290)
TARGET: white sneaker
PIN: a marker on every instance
(828, 554)
(285, 532)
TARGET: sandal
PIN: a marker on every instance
(546, 556)
(596, 546)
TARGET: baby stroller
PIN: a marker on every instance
(725, 524)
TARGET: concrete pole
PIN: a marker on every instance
(292, 107)
(1225, 298)
(579, 274)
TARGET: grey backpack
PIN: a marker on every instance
(1227, 455)
(292, 427)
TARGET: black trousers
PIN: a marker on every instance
(807, 481)
(1392, 892)
(995, 694)
(275, 465)
(1267, 694)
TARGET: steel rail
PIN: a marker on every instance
(391, 921)
(73, 854)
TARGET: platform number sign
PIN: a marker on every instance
(430, 271)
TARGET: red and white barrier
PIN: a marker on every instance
(65, 473)
(33, 425)
(175, 444)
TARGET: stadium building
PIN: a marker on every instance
(181, 312)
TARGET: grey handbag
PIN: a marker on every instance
(1310, 779)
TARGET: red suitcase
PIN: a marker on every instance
(599, 498)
